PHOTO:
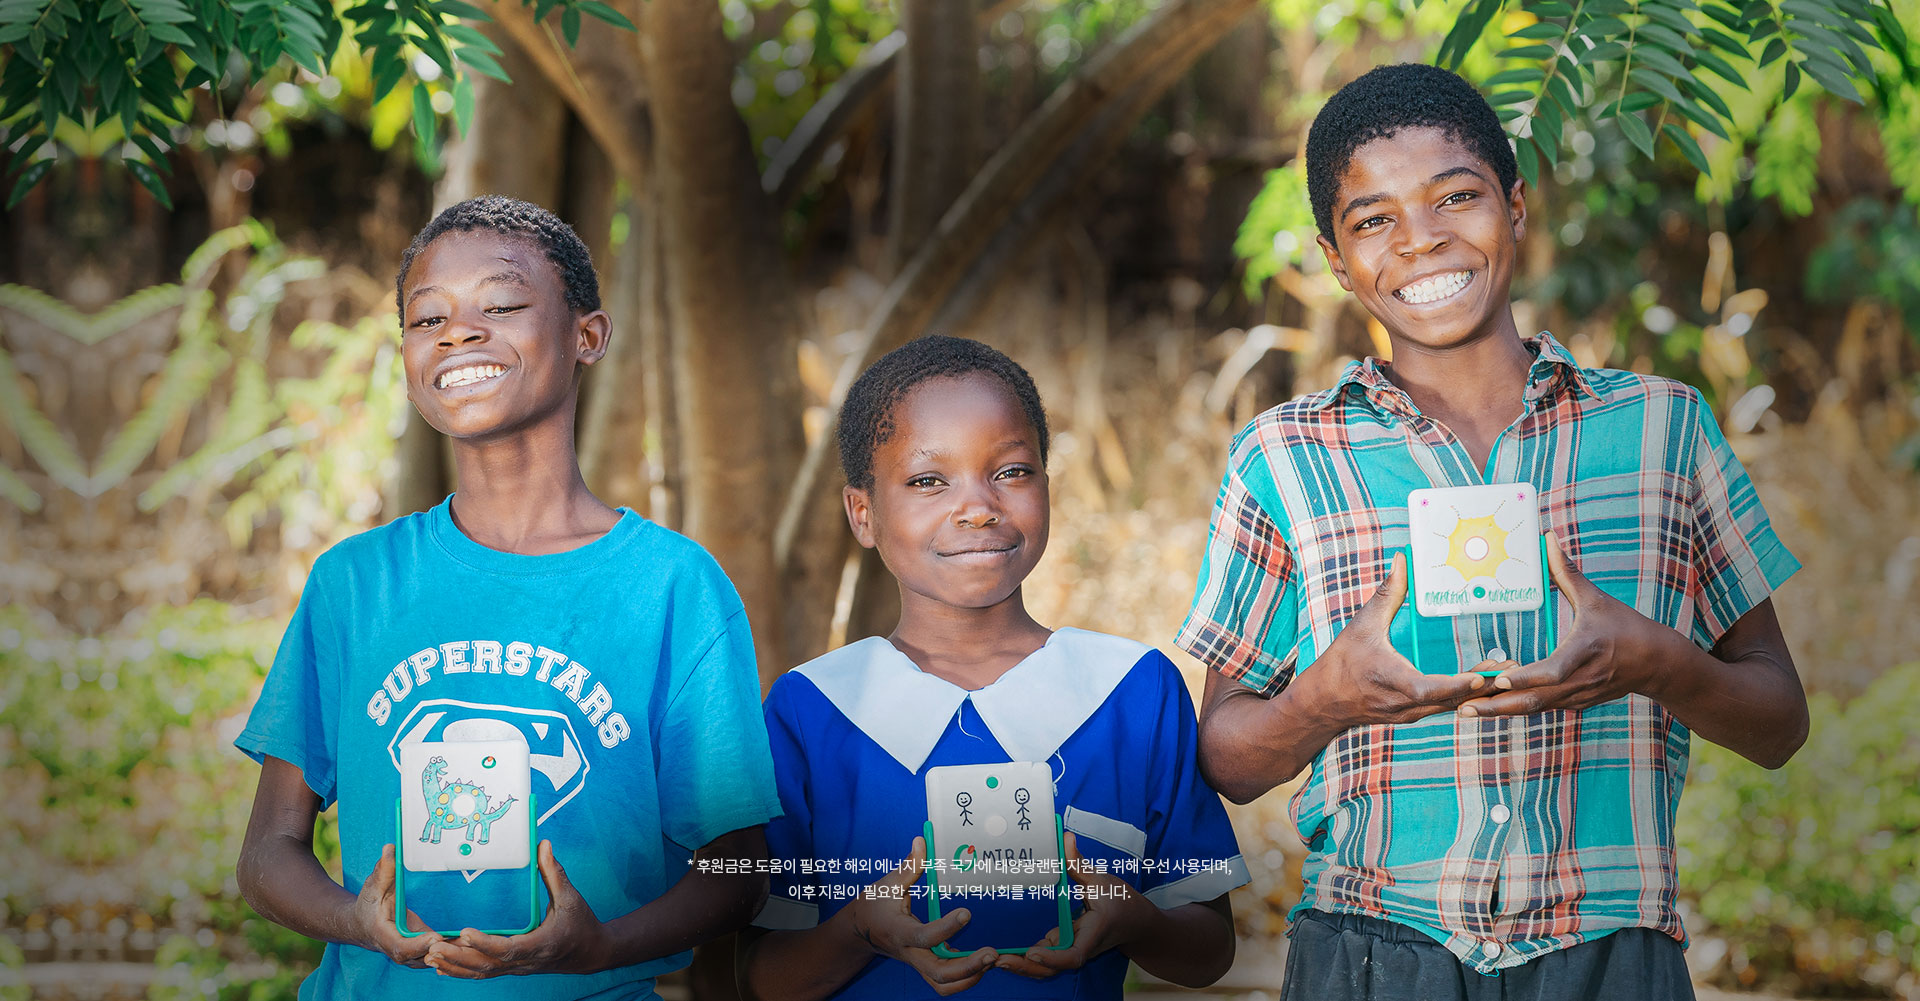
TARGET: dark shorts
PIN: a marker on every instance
(1349, 957)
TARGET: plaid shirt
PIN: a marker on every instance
(1504, 838)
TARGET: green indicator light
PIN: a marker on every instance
(993, 783)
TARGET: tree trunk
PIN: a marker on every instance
(734, 320)
(936, 112)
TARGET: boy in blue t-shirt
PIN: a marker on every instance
(521, 609)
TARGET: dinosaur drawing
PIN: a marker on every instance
(456, 804)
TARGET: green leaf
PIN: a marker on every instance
(1652, 56)
(422, 114)
(1727, 16)
(483, 63)
(1834, 81)
(1720, 68)
(169, 33)
(1549, 8)
(1726, 43)
(1527, 161)
(1603, 52)
(463, 104)
(607, 14)
(1688, 147)
(1706, 96)
(1514, 78)
(1509, 97)
(1562, 93)
(1637, 133)
(1669, 17)
(1664, 38)
(1540, 30)
(28, 178)
(458, 9)
(1774, 50)
(1603, 27)
(1529, 52)
(570, 25)
(152, 149)
(386, 74)
(473, 38)
(26, 151)
(1546, 134)
(1701, 118)
(151, 180)
(1792, 82)
(436, 50)
(1655, 82)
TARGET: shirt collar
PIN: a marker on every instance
(1368, 378)
(1032, 709)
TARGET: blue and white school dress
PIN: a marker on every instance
(854, 731)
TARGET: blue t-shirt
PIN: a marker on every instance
(854, 732)
(626, 666)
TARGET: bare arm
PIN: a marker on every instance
(703, 905)
(1744, 694)
(1250, 744)
(281, 878)
(1190, 945)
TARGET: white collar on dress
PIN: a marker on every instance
(1032, 709)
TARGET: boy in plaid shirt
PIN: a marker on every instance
(1467, 837)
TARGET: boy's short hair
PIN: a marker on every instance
(1385, 100)
(513, 217)
(866, 418)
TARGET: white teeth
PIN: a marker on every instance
(468, 375)
(1434, 289)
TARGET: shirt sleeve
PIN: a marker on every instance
(298, 712)
(716, 774)
(1187, 826)
(1246, 606)
(790, 905)
(1738, 561)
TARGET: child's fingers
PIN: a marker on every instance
(381, 879)
(929, 935)
(456, 960)
(554, 875)
(1571, 581)
(952, 975)
(1077, 867)
(493, 946)
(910, 869)
(1379, 610)
(1027, 965)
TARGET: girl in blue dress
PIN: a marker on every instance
(944, 444)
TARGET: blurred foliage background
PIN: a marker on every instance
(200, 398)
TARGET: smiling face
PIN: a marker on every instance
(958, 506)
(489, 343)
(1426, 239)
